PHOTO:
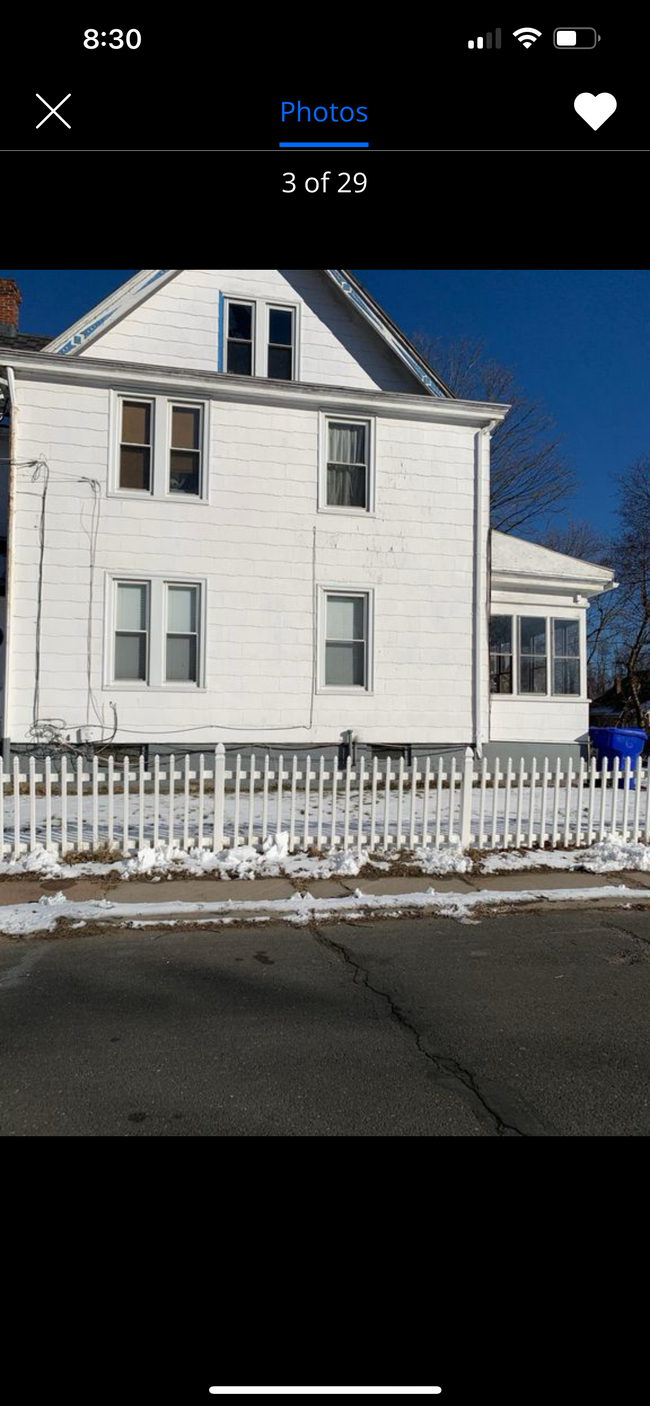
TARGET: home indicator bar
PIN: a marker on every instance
(325, 1390)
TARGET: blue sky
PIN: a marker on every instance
(579, 340)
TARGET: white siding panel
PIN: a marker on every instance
(253, 543)
(178, 325)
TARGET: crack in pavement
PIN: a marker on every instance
(453, 1075)
(637, 936)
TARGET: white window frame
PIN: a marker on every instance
(261, 327)
(324, 418)
(131, 683)
(519, 614)
(157, 633)
(565, 620)
(368, 595)
(161, 412)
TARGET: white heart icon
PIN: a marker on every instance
(595, 109)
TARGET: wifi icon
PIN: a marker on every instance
(527, 35)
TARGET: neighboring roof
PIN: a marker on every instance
(147, 281)
(517, 563)
(615, 700)
(27, 341)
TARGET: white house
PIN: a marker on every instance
(240, 507)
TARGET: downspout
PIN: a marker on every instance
(481, 580)
(6, 742)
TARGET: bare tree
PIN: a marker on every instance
(528, 475)
(632, 561)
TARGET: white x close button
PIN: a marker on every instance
(54, 112)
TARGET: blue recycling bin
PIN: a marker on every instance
(621, 742)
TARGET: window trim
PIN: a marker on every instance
(161, 409)
(181, 634)
(157, 631)
(261, 328)
(368, 594)
(324, 419)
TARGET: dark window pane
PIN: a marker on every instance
(281, 327)
(345, 665)
(533, 675)
(186, 427)
(533, 635)
(501, 673)
(240, 321)
(566, 635)
(181, 658)
(131, 658)
(280, 363)
(501, 633)
(184, 475)
(346, 486)
(240, 358)
(135, 467)
(136, 423)
(566, 676)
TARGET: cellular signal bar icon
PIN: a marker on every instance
(488, 41)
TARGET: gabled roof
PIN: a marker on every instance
(147, 281)
(519, 564)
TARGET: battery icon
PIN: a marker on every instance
(584, 38)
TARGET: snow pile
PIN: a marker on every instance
(605, 857)
(27, 918)
(270, 860)
(442, 859)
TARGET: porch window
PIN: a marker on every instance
(182, 634)
(281, 343)
(185, 454)
(566, 656)
(132, 632)
(346, 641)
(348, 471)
(135, 445)
(532, 654)
(240, 338)
(501, 654)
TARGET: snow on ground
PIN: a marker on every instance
(25, 919)
(606, 857)
(272, 859)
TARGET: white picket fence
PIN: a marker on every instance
(79, 808)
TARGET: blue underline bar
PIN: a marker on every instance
(331, 145)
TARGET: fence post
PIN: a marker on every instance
(466, 799)
(219, 795)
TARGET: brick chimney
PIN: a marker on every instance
(10, 301)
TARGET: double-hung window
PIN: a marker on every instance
(185, 450)
(136, 444)
(281, 344)
(260, 338)
(347, 473)
(532, 654)
(346, 662)
(182, 653)
(162, 448)
(156, 632)
(566, 656)
(240, 339)
(132, 632)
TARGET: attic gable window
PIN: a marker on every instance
(260, 337)
(240, 339)
(281, 341)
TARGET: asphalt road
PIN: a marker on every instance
(521, 1025)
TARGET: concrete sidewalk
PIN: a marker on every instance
(193, 890)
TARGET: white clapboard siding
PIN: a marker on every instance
(182, 803)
